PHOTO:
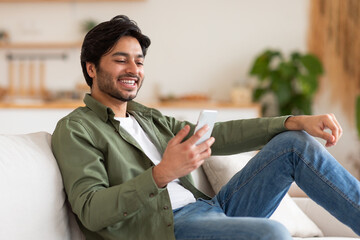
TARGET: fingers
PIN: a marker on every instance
(335, 128)
(202, 151)
(319, 126)
(339, 129)
(207, 151)
(196, 152)
(327, 121)
(205, 146)
(180, 158)
(180, 135)
(198, 135)
(329, 138)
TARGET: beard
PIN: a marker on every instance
(108, 86)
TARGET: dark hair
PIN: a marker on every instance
(102, 38)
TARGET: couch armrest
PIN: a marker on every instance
(328, 224)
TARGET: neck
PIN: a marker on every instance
(118, 107)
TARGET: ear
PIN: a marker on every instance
(91, 70)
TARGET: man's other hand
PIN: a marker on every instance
(316, 126)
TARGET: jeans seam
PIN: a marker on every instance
(325, 180)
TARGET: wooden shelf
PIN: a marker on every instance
(70, 1)
(42, 105)
(202, 104)
(45, 45)
(77, 103)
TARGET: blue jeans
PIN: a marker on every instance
(242, 207)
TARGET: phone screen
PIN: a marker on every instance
(206, 117)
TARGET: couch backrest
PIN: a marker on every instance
(32, 203)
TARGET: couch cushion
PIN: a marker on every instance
(331, 226)
(32, 203)
(326, 238)
(219, 170)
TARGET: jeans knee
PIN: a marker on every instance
(297, 139)
(287, 136)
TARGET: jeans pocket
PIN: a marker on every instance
(210, 202)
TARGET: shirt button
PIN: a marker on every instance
(151, 195)
(165, 207)
(169, 225)
(125, 214)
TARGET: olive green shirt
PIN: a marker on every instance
(108, 178)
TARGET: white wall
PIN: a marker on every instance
(200, 46)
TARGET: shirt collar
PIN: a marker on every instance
(105, 113)
(100, 109)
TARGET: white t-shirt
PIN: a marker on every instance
(179, 196)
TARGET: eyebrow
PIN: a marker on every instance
(126, 54)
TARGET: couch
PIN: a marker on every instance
(33, 203)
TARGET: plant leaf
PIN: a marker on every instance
(303, 104)
(287, 70)
(283, 94)
(312, 64)
(260, 67)
(308, 84)
(295, 56)
(258, 93)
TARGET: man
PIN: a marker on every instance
(126, 168)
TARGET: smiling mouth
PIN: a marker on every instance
(128, 82)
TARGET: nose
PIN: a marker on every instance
(132, 68)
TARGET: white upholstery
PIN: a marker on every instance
(32, 202)
(331, 227)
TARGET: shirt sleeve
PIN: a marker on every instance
(232, 137)
(245, 135)
(96, 204)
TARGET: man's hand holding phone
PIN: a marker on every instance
(207, 117)
(182, 157)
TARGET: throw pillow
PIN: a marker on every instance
(295, 220)
(220, 169)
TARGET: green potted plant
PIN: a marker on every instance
(293, 82)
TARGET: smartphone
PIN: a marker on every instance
(206, 117)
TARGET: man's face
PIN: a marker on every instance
(120, 73)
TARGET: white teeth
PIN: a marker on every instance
(130, 82)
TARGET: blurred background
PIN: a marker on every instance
(201, 50)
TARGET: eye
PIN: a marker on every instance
(140, 63)
(120, 60)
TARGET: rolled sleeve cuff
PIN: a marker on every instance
(146, 186)
(278, 124)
